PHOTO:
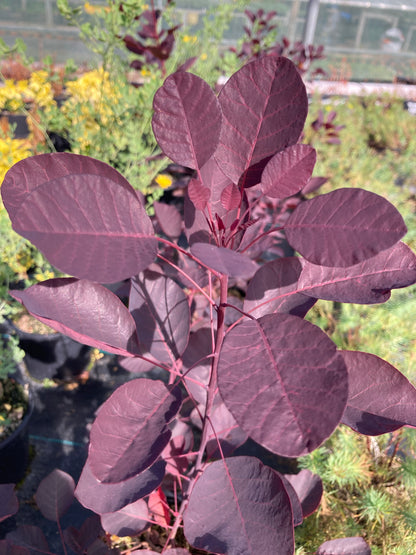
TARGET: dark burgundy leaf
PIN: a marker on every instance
(288, 171)
(65, 205)
(9, 503)
(7, 548)
(264, 108)
(174, 551)
(294, 501)
(175, 452)
(108, 498)
(225, 261)
(187, 119)
(238, 505)
(380, 397)
(86, 311)
(136, 364)
(344, 227)
(231, 197)
(198, 194)
(80, 540)
(55, 494)
(274, 289)
(30, 537)
(169, 219)
(129, 521)
(313, 184)
(223, 429)
(99, 548)
(309, 489)
(284, 382)
(160, 309)
(344, 546)
(196, 364)
(131, 429)
(368, 282)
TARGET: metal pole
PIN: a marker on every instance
(310, 23)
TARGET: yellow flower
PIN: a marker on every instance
(192, 39)
(12, 151)
(91, 10)
(164, 180)
(204, 57)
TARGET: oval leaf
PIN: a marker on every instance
(225, 261)
(27, 536)
(55, 494)
(309, 489)
(238, 505)
(129, 521)
(343, 546)
(288, 171)
(381, 398)
(161, 311)
(368, 282)
(274, 288)
(83, 310)
(108, 498)
(264, 107)
(84, 216)
(284, 382)
(344, 227)
(9, 503)
(169, 219)
(131, 429)
(187, 119)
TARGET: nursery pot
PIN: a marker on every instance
(53, 355)
(14, 450)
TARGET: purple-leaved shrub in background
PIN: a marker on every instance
(224, 320)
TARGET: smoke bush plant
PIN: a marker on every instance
(227, 326)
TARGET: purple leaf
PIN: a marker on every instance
(160, 309)
(80, 540)
(223, 429)
(225, 261)
(367, 282)
(86, 311)
(169, 219)
(344, 227)
(288, 171)
(198, 194)
(284, 382)
(231, 197)
(274, 289)
(238, 505)
(108, 498)
(197, 362)
(313, 184)
(55, 494)
(9, 503)
(136, 364)
(380, 398)
(271, 95)
(65, 205)
(294, 501)
(308, 488)
(131, 429)
(129, 521)
(344, 546)
(174, 551)
(187, 119)
(30, 537)
(7, 548)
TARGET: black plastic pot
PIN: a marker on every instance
(14, 450)
(53, 355)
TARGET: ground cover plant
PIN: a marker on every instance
(216, 298)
